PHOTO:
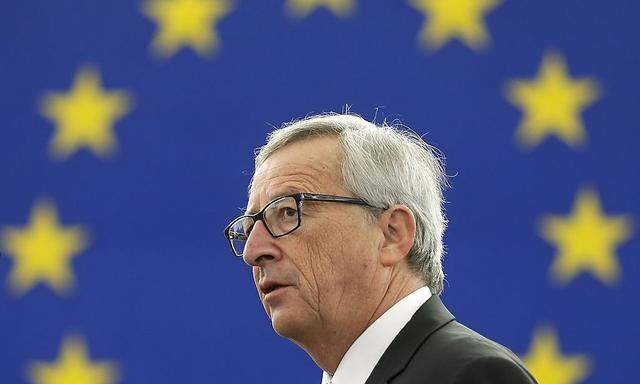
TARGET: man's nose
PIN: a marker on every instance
(260, 246)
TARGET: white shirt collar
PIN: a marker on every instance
(363, 355)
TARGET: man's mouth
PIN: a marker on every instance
(275, 287)
(267, 287)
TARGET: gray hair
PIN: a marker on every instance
(384, 165)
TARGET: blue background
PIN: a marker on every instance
(157, 289)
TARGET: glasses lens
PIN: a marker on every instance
(281, 216)
(238, 234)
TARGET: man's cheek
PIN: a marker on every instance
(321, 260)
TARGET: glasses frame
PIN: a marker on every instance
(299, 198)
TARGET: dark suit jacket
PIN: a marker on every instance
(433, 348)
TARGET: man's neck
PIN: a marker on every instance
(328, 347)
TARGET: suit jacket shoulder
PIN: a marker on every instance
(434, 348)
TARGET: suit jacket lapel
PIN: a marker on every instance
(431, 316)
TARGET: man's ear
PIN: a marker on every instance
(399, 230)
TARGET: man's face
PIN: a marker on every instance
(328, 264)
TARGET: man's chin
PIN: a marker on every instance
(290, 323)
(284, 322)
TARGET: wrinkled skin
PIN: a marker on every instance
(335, 262)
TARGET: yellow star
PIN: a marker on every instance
(586, 240)
(552, 104)
(186, 22)
(549, 366)
(302, 8)
(84, 116)
(448, 19)
(73, 366)
(42, 251)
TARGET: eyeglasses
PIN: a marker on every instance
(280, 217)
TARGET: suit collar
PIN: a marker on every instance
(430, 317)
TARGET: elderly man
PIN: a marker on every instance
(344, 231)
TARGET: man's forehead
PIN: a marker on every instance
(301, 168)
(288, 178)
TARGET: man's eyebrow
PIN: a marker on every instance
(248, 212)
(272, 196)
(282, 192)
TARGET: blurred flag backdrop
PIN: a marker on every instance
(126, 137)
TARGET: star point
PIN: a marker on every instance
(84, 116)
(552, 104)
(189, 23)
(42, 251)
(73, 365)
(547, 363)
(449, 19)
(586, 240)
(302, 8)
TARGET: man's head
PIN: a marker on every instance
(341, 261)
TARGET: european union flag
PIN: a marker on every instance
(126, 145)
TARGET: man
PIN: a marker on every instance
(343, 231)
